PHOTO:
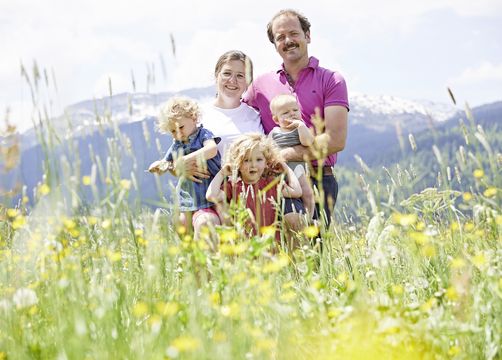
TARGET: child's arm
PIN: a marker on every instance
(208, 151)
(214, 192)
(306, 137)
(291, 188)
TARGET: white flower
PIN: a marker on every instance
(24, 298)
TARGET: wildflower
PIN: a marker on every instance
(287, 296)
(24, 298)
(25, 199)
(44, 189)
(479, 260)
(457, 263)
(498, 220)
(86, 180)
(114, 256)
(69, 224)
(276, 265)
(467, 196)
(182, 230)
(228, 235)
(167, 309)
(267, 231)
(451, 293)
(173, 250)
(428, 305)
(108, 181)
(454, 351)
(140, 309)
(397, 289)
(18, 222)
(478, 173)
(12, 213)
(106, 224)
(138, 232)
(215, 298)
(404, 219)
(490, 192)
(185, 343)
(311, 231)
(125, 184)
(469, 226)
(429, 251)
(92, 220)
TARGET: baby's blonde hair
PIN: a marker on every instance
(175, 109)
(243, 145)
(280, 100)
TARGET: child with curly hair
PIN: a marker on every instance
(180, 118)
(253, 165)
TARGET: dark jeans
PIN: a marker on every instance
(330, 188)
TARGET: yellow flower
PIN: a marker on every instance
(228, 235)
(181, 229)
(44, 189)
(140, 309)
(311, 231)
(467, 196)
(451, 293)
(428, 305)
(429, 251)
(490, 192)
(69, 224)
(92, 220)
(276, 265)
(167, 309)
(478, 173)
(469, 226)
(12, 213)
(287, 296)
(404, 219)
(173, 250)
(114, 256)
(397, 289)
(18, 222)
(268, 231)
(26, 199)
(419, 237)
(86, 180)
(454, 351)
(479, 260)
(185, 343)
(138, 232)
(457, 263)
(125, 184)
(498, 220)
(215, 298)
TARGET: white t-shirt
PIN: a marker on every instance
(229, 124)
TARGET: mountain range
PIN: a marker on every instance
(377, 124)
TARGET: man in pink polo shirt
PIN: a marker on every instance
(313, 86)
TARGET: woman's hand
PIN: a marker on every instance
(191, 168)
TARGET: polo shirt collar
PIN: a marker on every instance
(313, 64)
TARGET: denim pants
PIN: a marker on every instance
(330, 187)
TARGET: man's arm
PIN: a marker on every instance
(335, 135)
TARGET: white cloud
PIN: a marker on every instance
(486, 71)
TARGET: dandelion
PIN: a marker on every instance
(428, 305)
(397, 289)
(454, 351)
(12, 213)
(490, 192)
(429, 251)
(478, 173)
(44, 189)
(479, 260)
(18, 222)
(140, 309)
(181, 230)
(457, 263)
(185, 343)
(268, 231)
(24, 298)
(173, 250)
(404, 219)
(86, 180)
(276, 265)
(167, 309)
(228, 235)
(311, 231)
(451, 293)
(467, 196)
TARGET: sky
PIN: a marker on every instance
(409, 49)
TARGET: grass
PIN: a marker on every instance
(417, 277)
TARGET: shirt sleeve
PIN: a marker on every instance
(169, 153)
(249, 96)
(206, 134)
(336, 91)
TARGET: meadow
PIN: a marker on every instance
(418, 275)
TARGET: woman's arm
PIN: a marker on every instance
(291, 188)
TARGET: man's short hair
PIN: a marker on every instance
(304, 22)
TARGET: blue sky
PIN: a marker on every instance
(409, 49)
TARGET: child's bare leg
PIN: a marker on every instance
(185, 219)
(204, 219)
(307, 195)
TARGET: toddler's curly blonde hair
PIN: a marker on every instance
(174, 110)
(243, 145)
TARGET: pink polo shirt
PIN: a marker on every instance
(316, 87)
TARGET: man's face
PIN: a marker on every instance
(289, 39)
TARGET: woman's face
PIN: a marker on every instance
(231, 80)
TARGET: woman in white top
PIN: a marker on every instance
(227, 116)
